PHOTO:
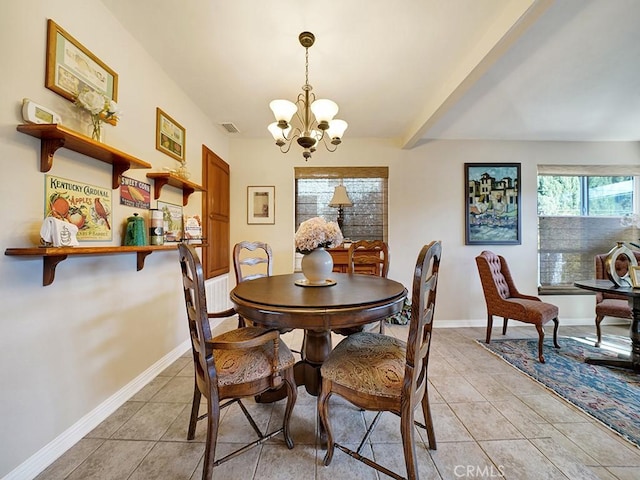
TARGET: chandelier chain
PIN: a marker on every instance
(306, 66)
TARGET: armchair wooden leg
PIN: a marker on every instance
(489, 327)
(540, 342)
(556, 324)
(599, 319)
(504, 325)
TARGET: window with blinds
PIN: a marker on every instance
(366, 187)
(579, 215)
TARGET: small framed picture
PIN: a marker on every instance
(634, 273)
(261, 205)
(173, 221)
(170, 136)
(71, 68)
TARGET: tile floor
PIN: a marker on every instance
(490, 421)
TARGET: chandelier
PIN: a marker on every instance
(314, 117)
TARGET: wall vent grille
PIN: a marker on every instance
(230, 127)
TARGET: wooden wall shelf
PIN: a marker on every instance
(54, 136)
(160, 179)
(52, 256)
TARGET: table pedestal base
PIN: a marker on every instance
(316, 347)
(614, 362)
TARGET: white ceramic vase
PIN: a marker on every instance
(317, 266)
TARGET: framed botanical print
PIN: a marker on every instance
(71, 68)
(261, 205)
(170, 136)
(172, 220)
(492, 203)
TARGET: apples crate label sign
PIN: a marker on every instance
(86, 206)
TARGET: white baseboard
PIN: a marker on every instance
(54, 449)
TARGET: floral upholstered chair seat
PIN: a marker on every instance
(237, 366)
(368, 362)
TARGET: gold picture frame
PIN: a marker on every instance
(261, 208)
(171, 137)
(72, 68)
(634, 274)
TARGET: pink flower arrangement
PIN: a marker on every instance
(317, 232)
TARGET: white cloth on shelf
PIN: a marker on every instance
(58, 233)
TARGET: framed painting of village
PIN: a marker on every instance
(492, 204)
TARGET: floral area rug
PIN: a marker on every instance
(610, 395)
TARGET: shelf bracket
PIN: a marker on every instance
(141, 257)
(186, 191)
(158, 183)
(49, 268)
(118, 170)
(48, 147)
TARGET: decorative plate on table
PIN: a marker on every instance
(303, 282)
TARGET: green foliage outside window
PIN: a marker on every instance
(584, 196)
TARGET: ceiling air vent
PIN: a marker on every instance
(230, 127)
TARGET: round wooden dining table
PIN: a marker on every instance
(278, 302)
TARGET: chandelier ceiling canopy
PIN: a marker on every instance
(313, 121)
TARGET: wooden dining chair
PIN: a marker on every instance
(609, 304)
(240, 363)
(504, 300)
(251, 260)
(382, 373)
(367, 257)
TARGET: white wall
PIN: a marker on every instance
(426, 202)
(67, 347)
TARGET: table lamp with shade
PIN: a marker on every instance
(340, 200)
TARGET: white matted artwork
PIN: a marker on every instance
(261, 205)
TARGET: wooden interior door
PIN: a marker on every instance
(215, 212)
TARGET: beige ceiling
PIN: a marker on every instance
(410, 70)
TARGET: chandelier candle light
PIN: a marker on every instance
(315, 116)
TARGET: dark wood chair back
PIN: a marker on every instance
(423, 304)
(252, 260)
(369, 257)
